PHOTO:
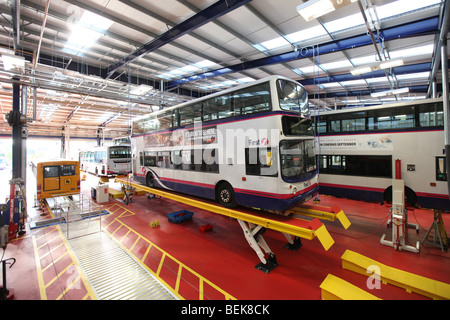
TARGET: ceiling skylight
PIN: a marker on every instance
(189, 69)
(86, 32)
(355, 20)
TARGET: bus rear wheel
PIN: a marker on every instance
(225, 195)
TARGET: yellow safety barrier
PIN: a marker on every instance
(334, 288)
(410, 282)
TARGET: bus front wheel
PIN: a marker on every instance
(225, 195)
(150, 180)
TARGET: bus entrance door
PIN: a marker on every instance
(51, 178)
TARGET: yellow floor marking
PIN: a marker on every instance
(40, 277)
(181, 265)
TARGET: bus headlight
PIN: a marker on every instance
(294, 190)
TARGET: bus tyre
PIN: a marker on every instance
(150, 180)
(225, 195)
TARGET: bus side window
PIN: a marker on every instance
(441, 170)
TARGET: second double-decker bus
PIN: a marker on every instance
(362, 149)
(106, 160)
(251, 145)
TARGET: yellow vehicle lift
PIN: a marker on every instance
(254, 223)
(323, 213)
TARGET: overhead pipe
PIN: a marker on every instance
(15, 12)
(42, 34)
(374, 42)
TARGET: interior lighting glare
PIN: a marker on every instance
(389, 92)
(361, 70)
(313, 9)
(391, 64)
(13, 63)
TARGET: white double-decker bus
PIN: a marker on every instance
(106, 160)
(362, 149)
(251, 145)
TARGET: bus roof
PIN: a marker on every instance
(216, 94)
(377, 107)
(52, 161)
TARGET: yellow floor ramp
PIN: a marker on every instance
(433, 289)
(334, 288)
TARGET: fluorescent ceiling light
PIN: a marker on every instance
(13, 63)
(383, 65)
(389, 92)
(361, 70)
(313, 9)
(391, 64)
(141, 90)
(402, 6)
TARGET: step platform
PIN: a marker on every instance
(334, 288)
(433, 289)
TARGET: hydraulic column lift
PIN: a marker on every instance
(399, 220)
(255, 223)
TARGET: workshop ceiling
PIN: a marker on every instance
(94, 65)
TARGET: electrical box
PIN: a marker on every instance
(102, 193)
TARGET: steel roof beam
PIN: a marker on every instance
(402, 31)
(360, 93)
(211, 13)
(413, 68)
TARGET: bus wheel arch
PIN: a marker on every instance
(410, 196)
(225, 195)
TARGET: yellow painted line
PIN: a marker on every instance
(54, 261)
(77, 266)
(146, 253)
(180, 264)
(126, 234)
(135, 242)
(161, 263)
(45, 234)
(58, 275)
(200, 290)
(50, 251)
(177, 284)
(40, 277)
(68, 288)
